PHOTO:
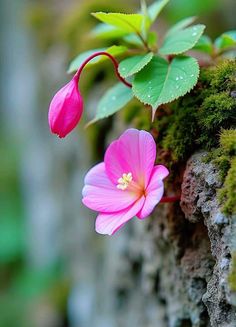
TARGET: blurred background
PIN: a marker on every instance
(55, 271)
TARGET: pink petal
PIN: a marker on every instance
(100, 194)
(109, 223)
(161, 171)
(65, 109)
(135, 152)
(154, 191)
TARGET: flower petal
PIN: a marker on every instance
(65, 109)
(100, 194)
(154, 191)
(135, 152)
(161, 171)
(109, 223)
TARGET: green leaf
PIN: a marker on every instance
(132, 65)
(182, 40)
(114, 50)
(133, 39)
(130, 23)
(181, 25)
(77, 61)
(226, 40)
(112, 101)
(204, 44)
(162, 82)
(104, 31)
(155, 9)
(152, 39)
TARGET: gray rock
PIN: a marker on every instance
(174, 265)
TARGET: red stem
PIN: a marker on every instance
(167, 199)
(114, 61)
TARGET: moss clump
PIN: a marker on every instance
(223, 77)
(232, 274)
(227, 195)
(224, 157)
(228, 141)
(196, 120)
(181, 133)
(217, 111)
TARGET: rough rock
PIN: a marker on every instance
(172, 269)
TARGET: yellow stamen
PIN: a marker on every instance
(124, 181)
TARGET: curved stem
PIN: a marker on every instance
(114, 61)
(168, 199)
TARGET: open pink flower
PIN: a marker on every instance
(65, 109)
(127, 183)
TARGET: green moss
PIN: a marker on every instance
(180, 135)
(228, 141)
(226, 149)
(223, 164)
(224, 157)
(227, 195)
(195, 121)
(223, 78)
(217, 111)
(232, 274)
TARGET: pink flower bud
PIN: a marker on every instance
(65, 109)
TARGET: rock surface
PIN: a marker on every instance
(172, 270)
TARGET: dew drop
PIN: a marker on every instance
(123, 68)
(192, 75)
(177, 78)
(149, 96)
(194, 34)
(181, 77)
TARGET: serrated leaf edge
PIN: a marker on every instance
(95, 119)
(173, 29)
(190, 89)
(107, 13)
(180, 52)
(145, 64)
(173, 99)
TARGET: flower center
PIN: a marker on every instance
(124, 181)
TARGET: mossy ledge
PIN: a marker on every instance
(204, 119)
(195, 121)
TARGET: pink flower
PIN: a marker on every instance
(127, 183)
(65, 109)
